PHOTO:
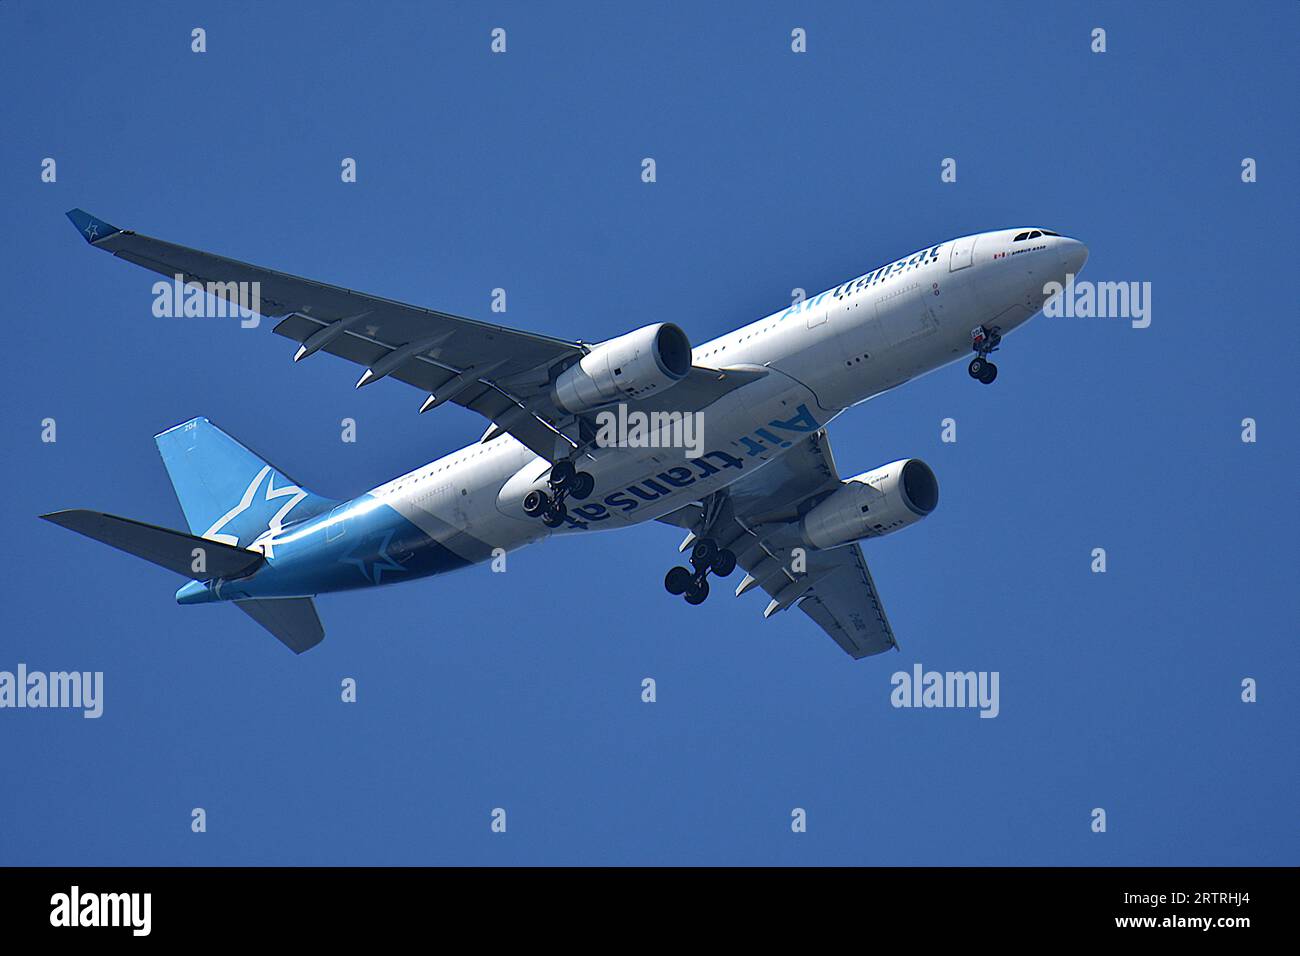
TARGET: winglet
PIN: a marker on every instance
(91, 229)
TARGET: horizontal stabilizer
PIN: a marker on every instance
(293, 621)
(173, 550)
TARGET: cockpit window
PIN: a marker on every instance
(1048, 232)
(1021, 238)
(1037, 233)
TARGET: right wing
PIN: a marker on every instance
(756, 518)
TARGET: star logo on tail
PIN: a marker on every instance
(371, 562)
(263, 541)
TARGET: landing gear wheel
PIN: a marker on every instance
(724, 562)
(555, 514)
(678, 580)
(582, 485)
(703, 553)
(536, 503)
(706, 558)
(563, 473)
(984, 341)
(698, 591)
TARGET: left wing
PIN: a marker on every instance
(756, 518)
(501, 373)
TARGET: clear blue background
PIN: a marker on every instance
(776, 171)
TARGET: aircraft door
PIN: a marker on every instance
(963, 253)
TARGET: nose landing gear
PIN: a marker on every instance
(706, 556)
(983, 341)
(564, 481)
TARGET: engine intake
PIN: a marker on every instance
(873, 504)
(631, 366)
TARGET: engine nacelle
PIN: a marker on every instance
(631, 366)
(872, 504)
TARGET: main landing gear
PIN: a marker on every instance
(706, 556)
(983, 341)
(565, 481)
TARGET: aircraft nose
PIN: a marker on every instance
(1073, 255)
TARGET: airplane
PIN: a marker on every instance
(761, 491)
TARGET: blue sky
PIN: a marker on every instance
(775, 171)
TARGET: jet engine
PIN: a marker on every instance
(872, 504)
(632, 366)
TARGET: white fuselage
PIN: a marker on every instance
(822, 356)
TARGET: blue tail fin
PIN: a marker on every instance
(228, 493)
